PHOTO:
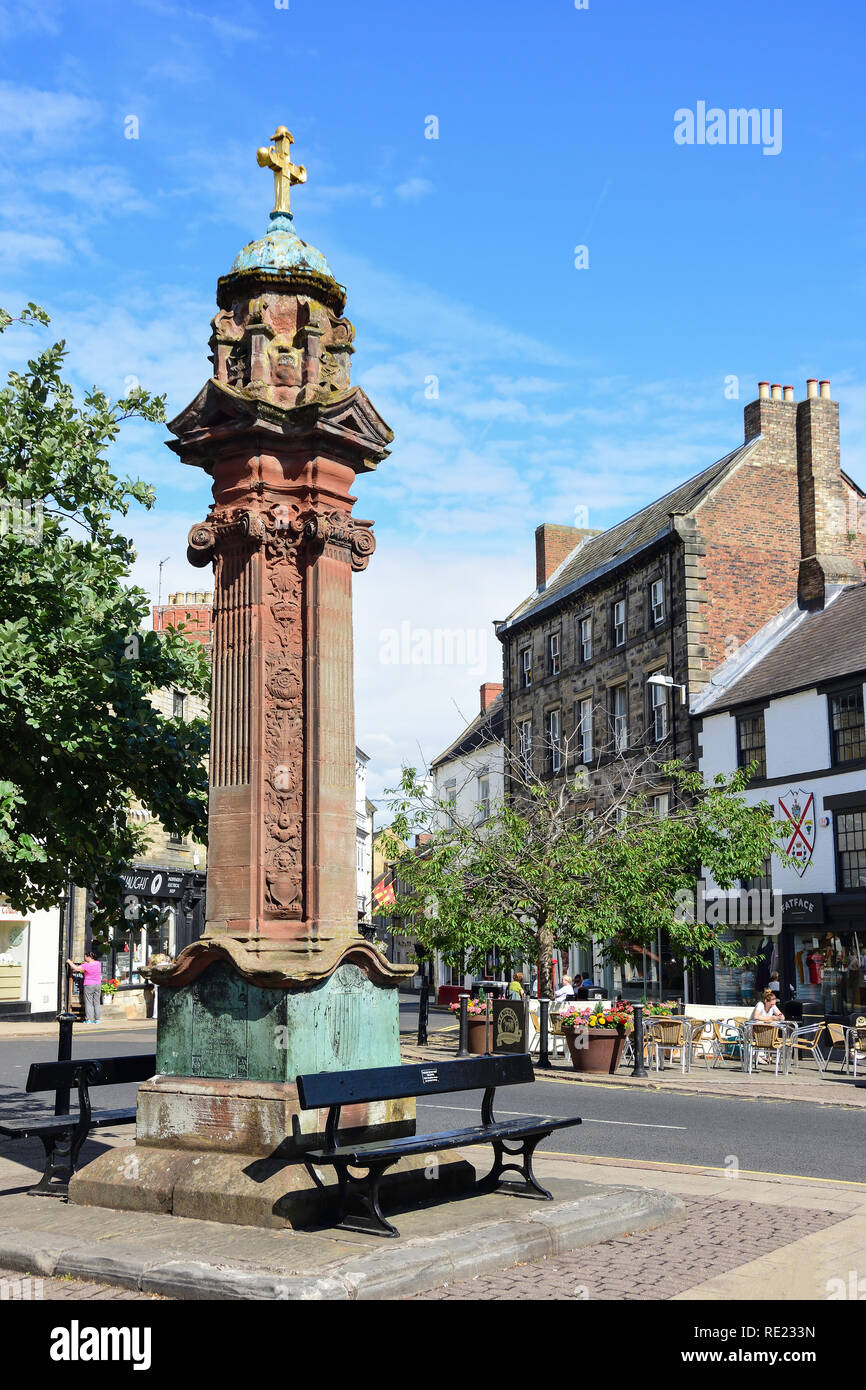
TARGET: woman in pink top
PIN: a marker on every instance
(92, 972)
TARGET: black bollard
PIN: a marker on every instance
(423, 1008)
(64, 1054)
(637, 1041)
(544, 1061)
(463, 1035)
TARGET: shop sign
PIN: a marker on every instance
(154, 883)
(798, 808)
(8, 914)
(802, 908)
(509, 1026)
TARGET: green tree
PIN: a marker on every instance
(540, 874)
(80, 738)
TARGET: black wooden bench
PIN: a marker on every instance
(337, 1089)
(63, 1135)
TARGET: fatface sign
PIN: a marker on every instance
(802, 908)
(798, 810)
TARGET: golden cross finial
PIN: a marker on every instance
(279, 158)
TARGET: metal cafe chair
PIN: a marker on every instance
(767, 1037)
(855, 1047)
(669, 1035)
(804, 1042)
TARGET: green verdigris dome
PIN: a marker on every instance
(281, 249)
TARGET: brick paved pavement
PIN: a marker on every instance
(15, 1286)
(714, 1238)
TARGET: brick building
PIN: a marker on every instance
(193, 610)
(671, 592)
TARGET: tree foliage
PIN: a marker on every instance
(80, 738)
(541, 873)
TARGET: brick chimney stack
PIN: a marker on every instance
(773, 416)
(829, 555)
(553, 543)
(489, 692)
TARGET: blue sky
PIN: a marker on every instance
(559, 388)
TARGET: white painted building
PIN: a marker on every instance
(470, 776)
(29, 952)
(792, 700)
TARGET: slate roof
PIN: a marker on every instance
(827, 644)
(601, 554)
(488, 727)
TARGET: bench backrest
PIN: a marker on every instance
(101, 1071)
(327, 1088)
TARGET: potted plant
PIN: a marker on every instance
(477, 1012)
(596, 1037)
(109, 989)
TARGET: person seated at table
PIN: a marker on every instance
(515, 989)
(565, 990)
(766, 1008)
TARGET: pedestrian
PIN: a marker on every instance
(91, 972)
(565, 991)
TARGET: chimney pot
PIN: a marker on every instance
(763, 390)
(812, 386)
(776, 391)
(788, 392)
(825, 389)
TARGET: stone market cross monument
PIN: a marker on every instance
(281, 983)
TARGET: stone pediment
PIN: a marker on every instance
(220, 411)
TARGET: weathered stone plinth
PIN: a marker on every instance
(244, 1190)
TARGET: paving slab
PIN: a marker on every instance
(475, 1234)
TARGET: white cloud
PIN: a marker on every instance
(21, 248)
(412, 189)
(29, 113)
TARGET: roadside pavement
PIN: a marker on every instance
(717, 1236)
(803, 1083)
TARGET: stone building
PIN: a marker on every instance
(670, 593)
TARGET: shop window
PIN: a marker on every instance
(658, 712)
(554, 740)
(525, 736)
(851, 848)
(762, 882)
(482, 808)
(657, 603)
(752, 743)
(584, 731)
(619, 718)
(584, 639)
(847, 739)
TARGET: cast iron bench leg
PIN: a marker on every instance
(59, 1166)
(524, 1152)
(367, 1187)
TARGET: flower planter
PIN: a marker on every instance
(602, 1051)
(478, 1034)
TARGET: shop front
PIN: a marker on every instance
(14, 960)
(824, 953)
(179, 896)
